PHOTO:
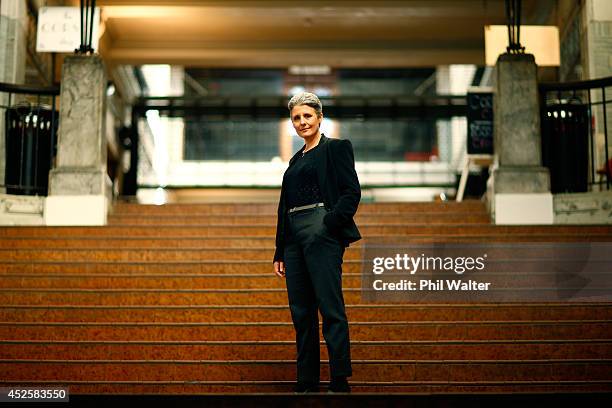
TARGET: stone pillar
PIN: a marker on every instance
(79, 187)
(518, 190)
(13, 42)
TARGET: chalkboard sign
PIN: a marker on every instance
(480, 122)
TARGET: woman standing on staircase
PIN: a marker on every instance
(319, 196)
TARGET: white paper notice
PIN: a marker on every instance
(59, 29)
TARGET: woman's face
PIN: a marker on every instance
(305, 120)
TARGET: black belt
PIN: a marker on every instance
(306, 207)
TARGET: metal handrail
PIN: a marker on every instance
(576, 85)
(275, 106)
(28, 89)
(586, 87)
(27, 180)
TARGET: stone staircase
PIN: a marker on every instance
(182, 299)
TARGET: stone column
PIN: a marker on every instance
(13, 42)
(79, 187)
(518, 190)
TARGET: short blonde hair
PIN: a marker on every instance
(308, 99)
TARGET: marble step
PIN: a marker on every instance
(93, 242)
(367, 392)
(227, 231)
(271, 208)
(246, 280)
(278, 370)
(284, 331)
(268, 219)
(280, 313)
(285, 350)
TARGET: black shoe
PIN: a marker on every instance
(306, 387)
(339, 384)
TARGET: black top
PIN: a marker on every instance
(302, 186)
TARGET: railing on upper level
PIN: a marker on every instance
(575, 134)
(29, 122)
(396, 139)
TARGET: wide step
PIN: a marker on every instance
(285, 350)
(278, 370)
(280, 313)
(283, 331)
(229, 230)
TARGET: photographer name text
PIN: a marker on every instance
(431, 285)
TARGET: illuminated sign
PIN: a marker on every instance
(541, 41)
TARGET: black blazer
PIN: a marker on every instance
(339, 186)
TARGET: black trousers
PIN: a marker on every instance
(313, 274)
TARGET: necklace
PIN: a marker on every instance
(306, 151)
